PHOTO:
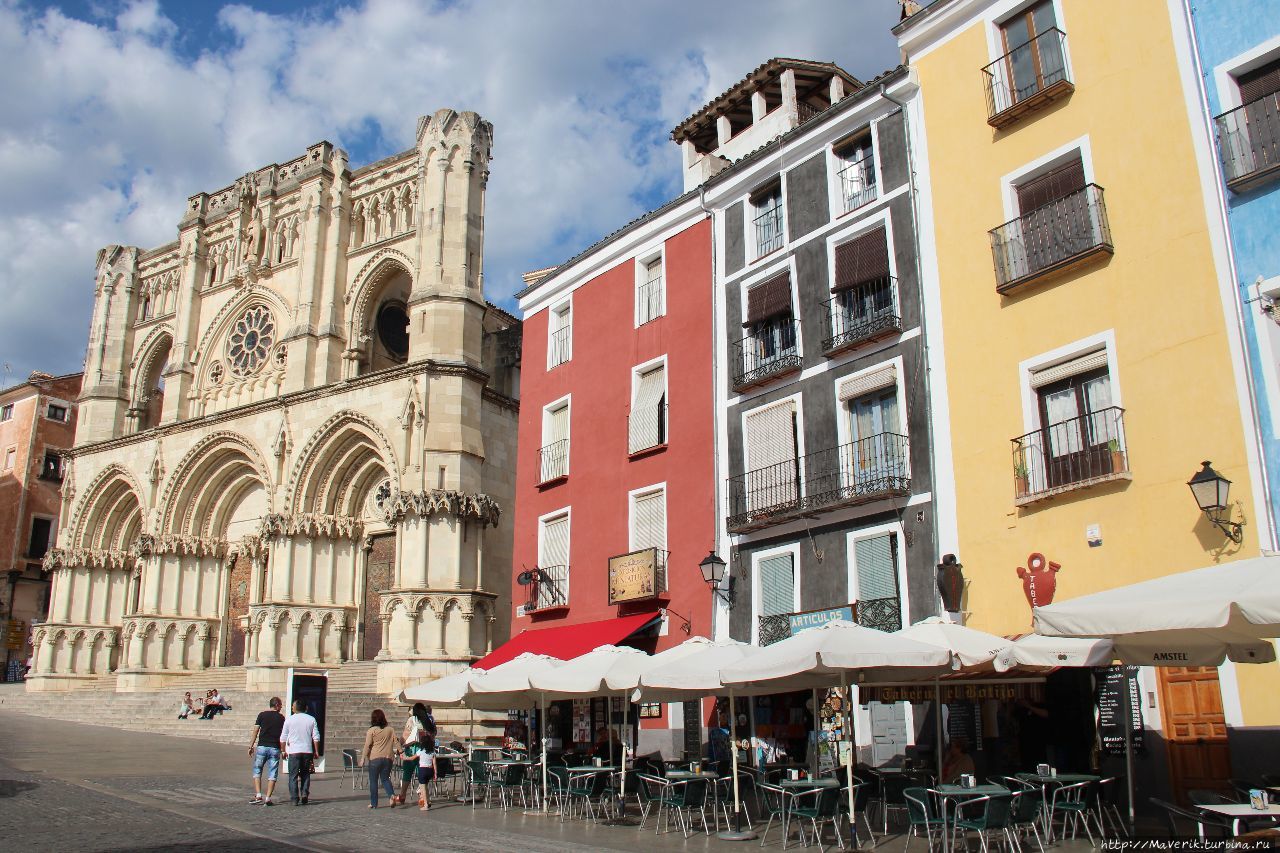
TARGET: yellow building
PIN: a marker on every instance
(1084, 344)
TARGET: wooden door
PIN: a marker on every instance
(238, 581)
(1195, 730)
(381, 566)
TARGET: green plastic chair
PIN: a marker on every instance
(922, 814)
(996, 817)
(479, 779)
(819, 806)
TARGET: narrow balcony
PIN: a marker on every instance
(1027, 78)
(553, 462)
(769, 234)
(1249, 141)
(549, 588)
(1073, 454)
(561, 347)
(869, 469)
(882, 614)
(1051, 240)
(770, 351)
(858, 182)
(862, 314)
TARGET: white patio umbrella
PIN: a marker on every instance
(694, 676)
(972, 649)
(837, 650)
(1035, 651)
(449, 691)
(1194, 618)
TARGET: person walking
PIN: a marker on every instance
(264, 746)
(409, 758)
(380, 744)
(424, 734)
(300, 740)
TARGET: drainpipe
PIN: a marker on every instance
(715, 412)
(1237, 300)
(924, 330)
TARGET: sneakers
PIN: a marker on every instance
(304, 800)
(268, 803)
(256, 801)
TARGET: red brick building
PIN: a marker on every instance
(615, 483)
(37, 422)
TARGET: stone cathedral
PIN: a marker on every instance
(296, 439)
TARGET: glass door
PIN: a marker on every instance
(876, 457)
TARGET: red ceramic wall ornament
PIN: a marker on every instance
(1039, 580)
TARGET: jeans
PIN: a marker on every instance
(299, 775)
(270, 756)
(379, 771)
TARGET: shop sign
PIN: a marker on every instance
(15, 634)
(634, 576)
(816, 618)
(1112, 684)
(924, 692)
(1039, 580)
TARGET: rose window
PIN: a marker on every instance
(251, 338)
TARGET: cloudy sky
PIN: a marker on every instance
(113, 113)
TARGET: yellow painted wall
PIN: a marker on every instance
(1159, 293)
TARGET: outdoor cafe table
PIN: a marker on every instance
(1242, 811)
(945, 792)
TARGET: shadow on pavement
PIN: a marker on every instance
(13, 787)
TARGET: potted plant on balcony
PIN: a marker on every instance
(1022, 479)
(1117, 456)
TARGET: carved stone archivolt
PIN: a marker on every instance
(311, 525)
(74, 558)
(272, 614)
(143, 626)
(461, 505)
(181, 544)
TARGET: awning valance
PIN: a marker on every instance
(568, 641)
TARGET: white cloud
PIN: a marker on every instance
(114, 123)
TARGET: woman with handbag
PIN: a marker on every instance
(379, 746)
(424, 726)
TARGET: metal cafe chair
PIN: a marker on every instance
(351, 766)
(922, 814)
(824, 809)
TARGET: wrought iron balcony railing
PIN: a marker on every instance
(549, 589)
(858, 181)
(883, 614)
(1074, 453)
(865, 470)
(561, 346)
(1249, 140)
(860, 314)
(769, 234)
(774, 627)
(553, 461)
(770, 350)
(1027, 78)
(649, 300)
(1051, 239)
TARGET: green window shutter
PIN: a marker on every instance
(777, 585)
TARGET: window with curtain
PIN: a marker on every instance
(1035, 57)
(555, 442)
(647, 425)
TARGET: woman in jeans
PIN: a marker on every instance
(380, 744)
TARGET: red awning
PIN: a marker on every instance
(568, 641)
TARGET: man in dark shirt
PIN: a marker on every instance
(264, 746)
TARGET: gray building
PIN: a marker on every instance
(824, 439)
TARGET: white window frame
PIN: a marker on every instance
(835, 192)
(10, 458)
(565, 306)
(753, 211)
(643, 259)
(644, 492)
(636, 373)
(852, 537)
(565, 512)
(1042, 165)
(1000, 14)
(793, 549)
(797, 399)
(1226, 72)
(844, 434)
(567, 403)
(1267, 354)
(1031, 399)
(880, 219)
(6, 412)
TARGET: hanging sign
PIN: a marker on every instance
(815, 618)
(955, 692)
(634, 576)
(1039, 580)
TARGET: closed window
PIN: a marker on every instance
(6, 412)
(767, 219)
(1257, 84)
(856, 172)
(770, 438)
(554, 462)
(553, 562)
(649, 521)
(1034, 53)
(1079, 423)
(770, 345)
(560, 345)
(57, 413)
(777, 585)
(650, 291)
(647, 425)
(9, 456)
(875, 560)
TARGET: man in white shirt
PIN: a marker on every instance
(300, 739)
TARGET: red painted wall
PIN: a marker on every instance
(606, 347)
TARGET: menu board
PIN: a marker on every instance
(1112, 682)
(964, 721)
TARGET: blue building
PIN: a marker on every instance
(1237, 47)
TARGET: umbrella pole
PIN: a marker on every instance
(814, 762)
(737, 833)
(542, 724)
(1128, 748)
(848, 756)
(622, 819)
(937, 724)
(751, 714)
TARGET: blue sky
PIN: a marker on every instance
(124, 108)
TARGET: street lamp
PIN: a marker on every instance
(712, 568)
(1211, 491)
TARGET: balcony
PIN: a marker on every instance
(1051, 240)
(1074, 454)
(548, 589)
(1027, 78)
(862, 314)
(858, 181)
(770, 351)
(561, 347)
(1249, 141)
(553, 462)
(769, 234)
(649, 301)
(869, 469)
(882, 614)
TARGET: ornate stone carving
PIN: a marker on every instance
(178, 543)
(71, 558)
(462, 505)
(312, 525)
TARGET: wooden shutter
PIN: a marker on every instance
(862, 259)
(777, 585)
(769, 299)
(770, 436)
(555, 543)
(650, 522)
(866, 383)
(1051, 186)
(645, 424)
(1259, 83)
(877, 569)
